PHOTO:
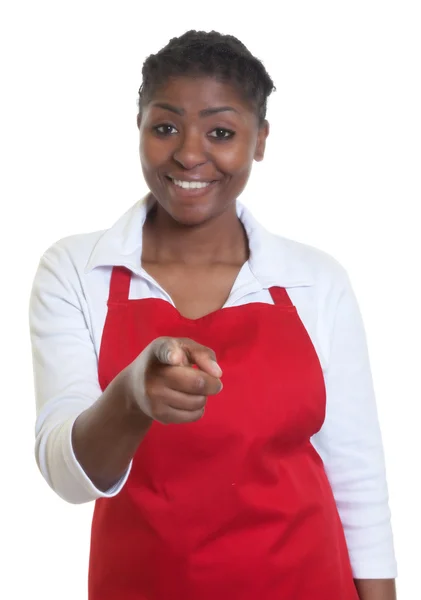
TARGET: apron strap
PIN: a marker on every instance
(280, 296)
(119, 285)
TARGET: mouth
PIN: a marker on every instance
(191, 188)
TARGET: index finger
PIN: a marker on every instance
(202, 356)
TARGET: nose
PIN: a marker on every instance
(190, 151)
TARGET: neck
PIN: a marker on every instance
(221, 240)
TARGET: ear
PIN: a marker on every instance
(261, 141)
(138, 120)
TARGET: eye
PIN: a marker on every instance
(225, 133)
(165, 127)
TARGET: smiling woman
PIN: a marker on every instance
(201, 120)
(214, 147)
(207, 382)
(183, 144)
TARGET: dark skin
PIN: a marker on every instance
(194, 248)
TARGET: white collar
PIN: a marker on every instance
(274, 260)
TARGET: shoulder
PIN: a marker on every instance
(279, 260)
(118, 244)
(74, 249)
(318, 284)
(66, 260)
(311, 264)
(323, 294)
(59, 278)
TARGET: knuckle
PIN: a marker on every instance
(205, 352)
(198, 403)
(214, 387)
(198, 383)
(197, 415)
(157, 407)
(156, 412)
(185, 340)
(151, 389)
(211, 354)
(162, 416)
(164, 345)
(193, 345)
(202, 402)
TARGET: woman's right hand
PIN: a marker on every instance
(163, 384)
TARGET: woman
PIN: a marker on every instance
(205, 381)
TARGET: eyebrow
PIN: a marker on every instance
(206, 112)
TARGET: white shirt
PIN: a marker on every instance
(68, 308)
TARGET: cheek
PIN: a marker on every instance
(151, 152)
(236, 159)
(146, 154)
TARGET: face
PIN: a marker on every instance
(202, 131)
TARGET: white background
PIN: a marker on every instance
(342, 172)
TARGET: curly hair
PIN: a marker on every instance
(201, 53)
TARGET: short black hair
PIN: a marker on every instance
(201, 53)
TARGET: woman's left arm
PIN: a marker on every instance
(350, 445)
(376, 589)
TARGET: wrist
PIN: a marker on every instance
(126, 399)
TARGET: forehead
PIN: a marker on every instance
(196, 93)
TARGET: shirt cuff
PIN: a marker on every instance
(68, 478)
(375, 570)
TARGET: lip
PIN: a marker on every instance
(189, 179)
(194, 192)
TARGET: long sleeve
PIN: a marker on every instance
(65, 373)
(350, 444)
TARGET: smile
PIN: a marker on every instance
(191, 188)
(191, 185)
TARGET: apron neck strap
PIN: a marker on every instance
(280, 296)
(119, 285)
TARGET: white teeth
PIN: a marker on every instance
(189, 185)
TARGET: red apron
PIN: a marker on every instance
(236, 505)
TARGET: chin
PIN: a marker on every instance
(191, 216)
(191, 211)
